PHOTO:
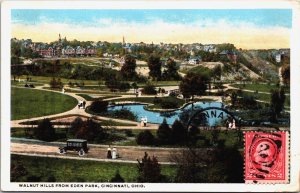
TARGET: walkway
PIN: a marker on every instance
(79, 112)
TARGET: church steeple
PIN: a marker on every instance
(59, 38)
(123, 41)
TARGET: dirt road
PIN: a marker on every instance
(128, 154)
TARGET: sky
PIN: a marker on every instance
(246, 28)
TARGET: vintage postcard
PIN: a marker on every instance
(139, 96)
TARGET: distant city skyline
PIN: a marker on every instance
(247, 29)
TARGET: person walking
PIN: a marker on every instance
(108, 153)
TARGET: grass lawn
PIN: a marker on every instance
(162, 83)
(259, 87)
(136, 99)
(28, 103)
(89, 98)
(46, 80)
(267, 98)
(64, 170)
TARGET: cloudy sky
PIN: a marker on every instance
(247, 29)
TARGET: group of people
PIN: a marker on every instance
(81, 104)
(230, 124)
(112, 153)
(144, 121)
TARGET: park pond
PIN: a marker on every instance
(215, 116)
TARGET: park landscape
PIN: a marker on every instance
(175, 112)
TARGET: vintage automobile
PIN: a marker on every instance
(79, 145)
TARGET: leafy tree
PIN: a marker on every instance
(117, 178)
(149, 170)
(226, 166)
(99, 106)
(128, 69)
(145, 138)
(285, 73)
(44, 131)
(217, 72)
(154, 65)
(91, 131)
(194, 84)
(277, 103)
(179, 133)
(196, 165)
(171, 72)
(112, 83)
(190, 165)
(75, 125)
(134, 86)
(56, 83)
(193, 133)
(149, 89)
(164, 133)
(233, 97)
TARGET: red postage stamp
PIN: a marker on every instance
(266, 157)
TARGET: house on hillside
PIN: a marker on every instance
(194, 60)
(68, 51)
(230, 55)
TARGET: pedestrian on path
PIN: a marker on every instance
(108, 153)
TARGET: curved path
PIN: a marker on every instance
(80, 112)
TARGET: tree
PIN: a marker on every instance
(134, 86)
(91, 131)
(217, 72)
(218, 165)
(233, 97)
(164, 133)
(145, 138)
(112, 83)
(117, 178)
(190, 165)
(75, 126)
(179, 133)
(56, 83)
(149, 170)
(285, 73)
(128, 69)
(44, 131)
(277, 103)
(193, 133)
(99, 106)
(171, 71)
(194, 84)
(149, 89)
(154, 65)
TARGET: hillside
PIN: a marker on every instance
(259, 59)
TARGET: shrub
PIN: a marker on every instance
(129, 133)
(99, 106)
(123, 114)
(117, 177)
(145, 138)
(169, 103)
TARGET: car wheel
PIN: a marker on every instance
(62, 151)
(81, 152)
